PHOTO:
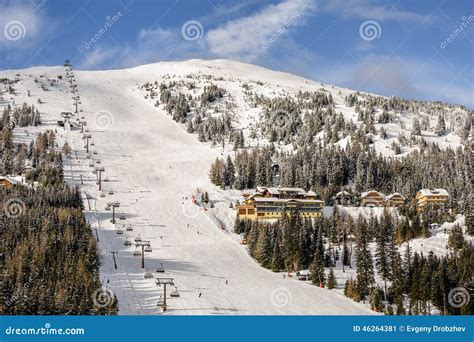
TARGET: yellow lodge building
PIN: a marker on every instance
(269, 203)
(434, 196)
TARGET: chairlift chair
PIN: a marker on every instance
(160, 268)
(119, 232)
(127, 242)
(137, 253)
(138, 239)
(107, 208)
(102, 195)
(111, 192)
(148, 275)
(122, 217)
(148, 249)
(129, 228)
(175, 292)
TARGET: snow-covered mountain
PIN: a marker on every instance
(155, 168)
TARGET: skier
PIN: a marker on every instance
(227, 282)
(200, 294)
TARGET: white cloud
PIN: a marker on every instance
(245, 37)
(98, 57)
(371, 9)
(399, 76)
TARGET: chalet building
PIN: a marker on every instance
(372, 198)
(342, 198)
(394, 200)
(431, 196)
(7, 182)
(269, 203)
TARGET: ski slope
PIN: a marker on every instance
(154, 168)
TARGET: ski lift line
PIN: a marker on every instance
(134, 292)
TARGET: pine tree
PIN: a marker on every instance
(382, 250)
(229, 173)
(264, 248)
(332, 283)
(416, 127)
(364, 263)
(278, 263)
(317, 270)
(441, 126)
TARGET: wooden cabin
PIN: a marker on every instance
(372, 198)
(394, 200)
(342, 198)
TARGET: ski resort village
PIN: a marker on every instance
(215, 187)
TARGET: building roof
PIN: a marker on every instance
(9, 179)
(275, 199)
(278, 191)
(367, 193)
(342, 193)
(434, 192)
(395, 194)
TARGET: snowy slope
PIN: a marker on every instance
(153, 167)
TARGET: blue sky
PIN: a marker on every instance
(416, 49)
